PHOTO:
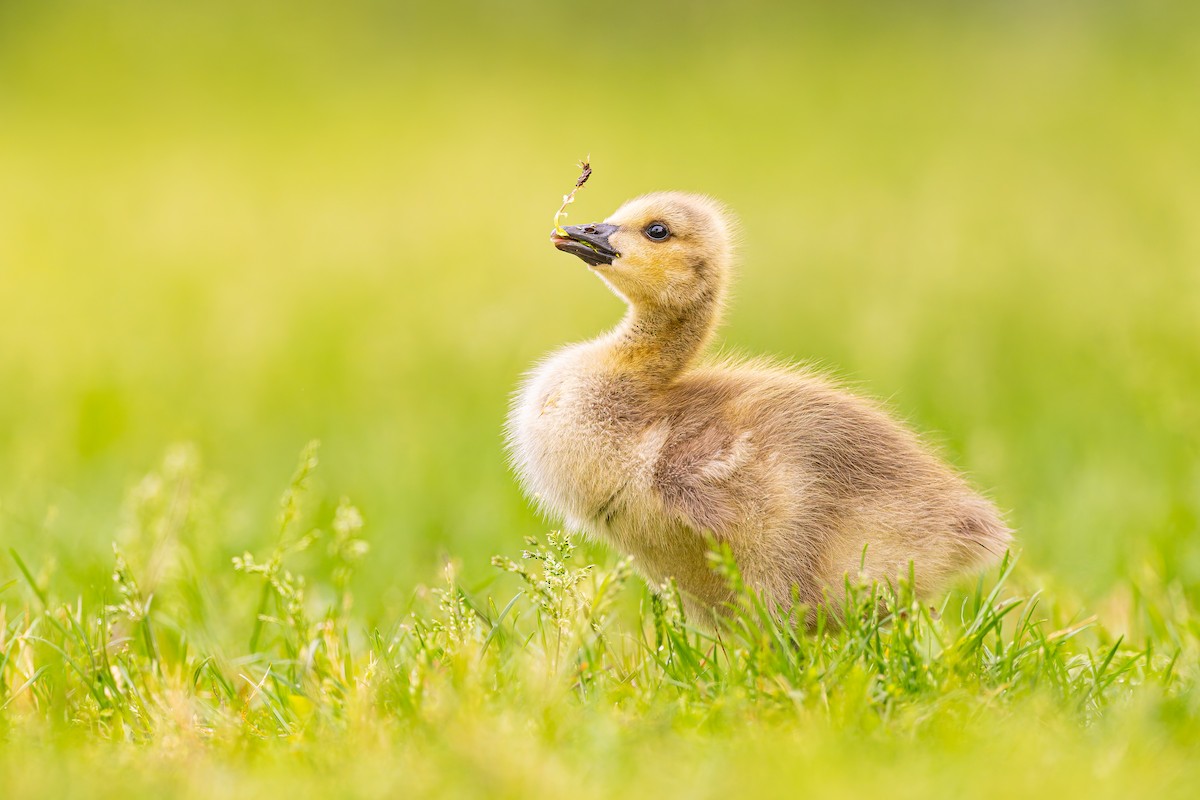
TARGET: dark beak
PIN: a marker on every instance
(589, 242)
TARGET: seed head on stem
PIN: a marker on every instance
(585, 172)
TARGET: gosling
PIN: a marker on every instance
(633, 439)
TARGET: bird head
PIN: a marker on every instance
(667, 250)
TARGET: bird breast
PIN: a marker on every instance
(576, 439)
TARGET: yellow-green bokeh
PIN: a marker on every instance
(250, 224)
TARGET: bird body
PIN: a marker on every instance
(633, 439)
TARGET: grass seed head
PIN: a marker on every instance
(585, 172)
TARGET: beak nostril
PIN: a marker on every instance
(589, 228)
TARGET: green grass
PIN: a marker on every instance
(244, 225)
(571, 667)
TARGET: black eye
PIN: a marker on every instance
(657, 231)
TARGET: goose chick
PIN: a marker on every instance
(635, 441)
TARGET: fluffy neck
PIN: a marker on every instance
(658, 343)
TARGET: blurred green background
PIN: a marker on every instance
(246, 225)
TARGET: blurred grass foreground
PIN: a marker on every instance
(229, 228)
